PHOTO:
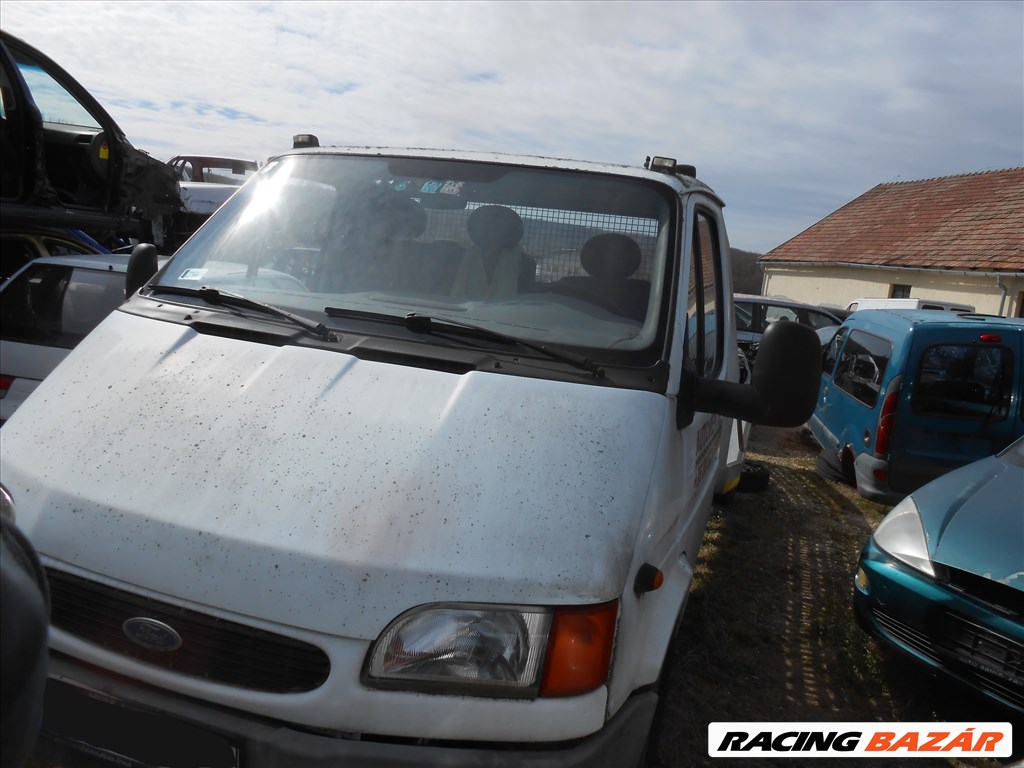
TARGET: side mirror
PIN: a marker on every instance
(142, 265)
(784, 384)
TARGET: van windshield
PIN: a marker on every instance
(540, 254)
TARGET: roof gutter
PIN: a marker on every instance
(886, 268)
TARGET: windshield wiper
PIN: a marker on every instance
(434, 325)
(361, 314)
(217, 297)
(428, 324)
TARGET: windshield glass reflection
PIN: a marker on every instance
(546, 255)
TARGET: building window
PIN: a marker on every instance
(899, 292)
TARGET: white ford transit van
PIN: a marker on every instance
(405, 459)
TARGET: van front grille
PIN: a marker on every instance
(211, 648)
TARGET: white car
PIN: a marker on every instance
(46, 308)
(205, 183)
(52, 303)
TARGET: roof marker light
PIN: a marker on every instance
(663, 164)
(669, 165)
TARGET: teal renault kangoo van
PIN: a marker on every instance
(907, 395)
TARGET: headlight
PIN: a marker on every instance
(500, 651)
(6, 505)
(902, 536)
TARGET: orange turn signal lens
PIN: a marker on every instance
(579, 649)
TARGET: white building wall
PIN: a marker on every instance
(838, 286)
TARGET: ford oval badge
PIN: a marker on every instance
(151, 634)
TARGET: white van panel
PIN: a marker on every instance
(343, 703)
(404, 486)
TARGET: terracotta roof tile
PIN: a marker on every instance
(973, 222)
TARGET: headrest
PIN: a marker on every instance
(408, 219)
(493, 227)
(610, 257)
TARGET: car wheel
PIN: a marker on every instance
(831, 471)
(754, 478)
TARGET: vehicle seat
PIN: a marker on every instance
(376, 251)
(439, 262)
(610, 260)
(494, 266)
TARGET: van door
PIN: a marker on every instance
(962, 402)
(705, 441)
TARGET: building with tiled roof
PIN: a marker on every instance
(956, 238)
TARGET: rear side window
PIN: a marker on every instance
(861, 366)
(965, 381)
(744, 316)
(58, 306)
(819, 320)
(773, 313)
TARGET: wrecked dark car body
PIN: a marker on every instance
(65, 162)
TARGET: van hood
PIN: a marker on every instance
(972, 519)
(319, 490)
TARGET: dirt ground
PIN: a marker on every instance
(769, 633)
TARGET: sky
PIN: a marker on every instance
(789, 110)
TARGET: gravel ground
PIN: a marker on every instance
(769, 633)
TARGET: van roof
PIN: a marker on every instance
(906, 319)
(680, 183)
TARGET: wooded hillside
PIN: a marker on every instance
(747, 274)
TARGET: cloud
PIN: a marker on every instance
(788, 109)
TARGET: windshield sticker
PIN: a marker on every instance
(193, 274)
(442, 187)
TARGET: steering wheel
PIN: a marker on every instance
(604, 302)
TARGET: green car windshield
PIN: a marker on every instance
(545, 255)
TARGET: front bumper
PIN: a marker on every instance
(264, 743)
(948, 631)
